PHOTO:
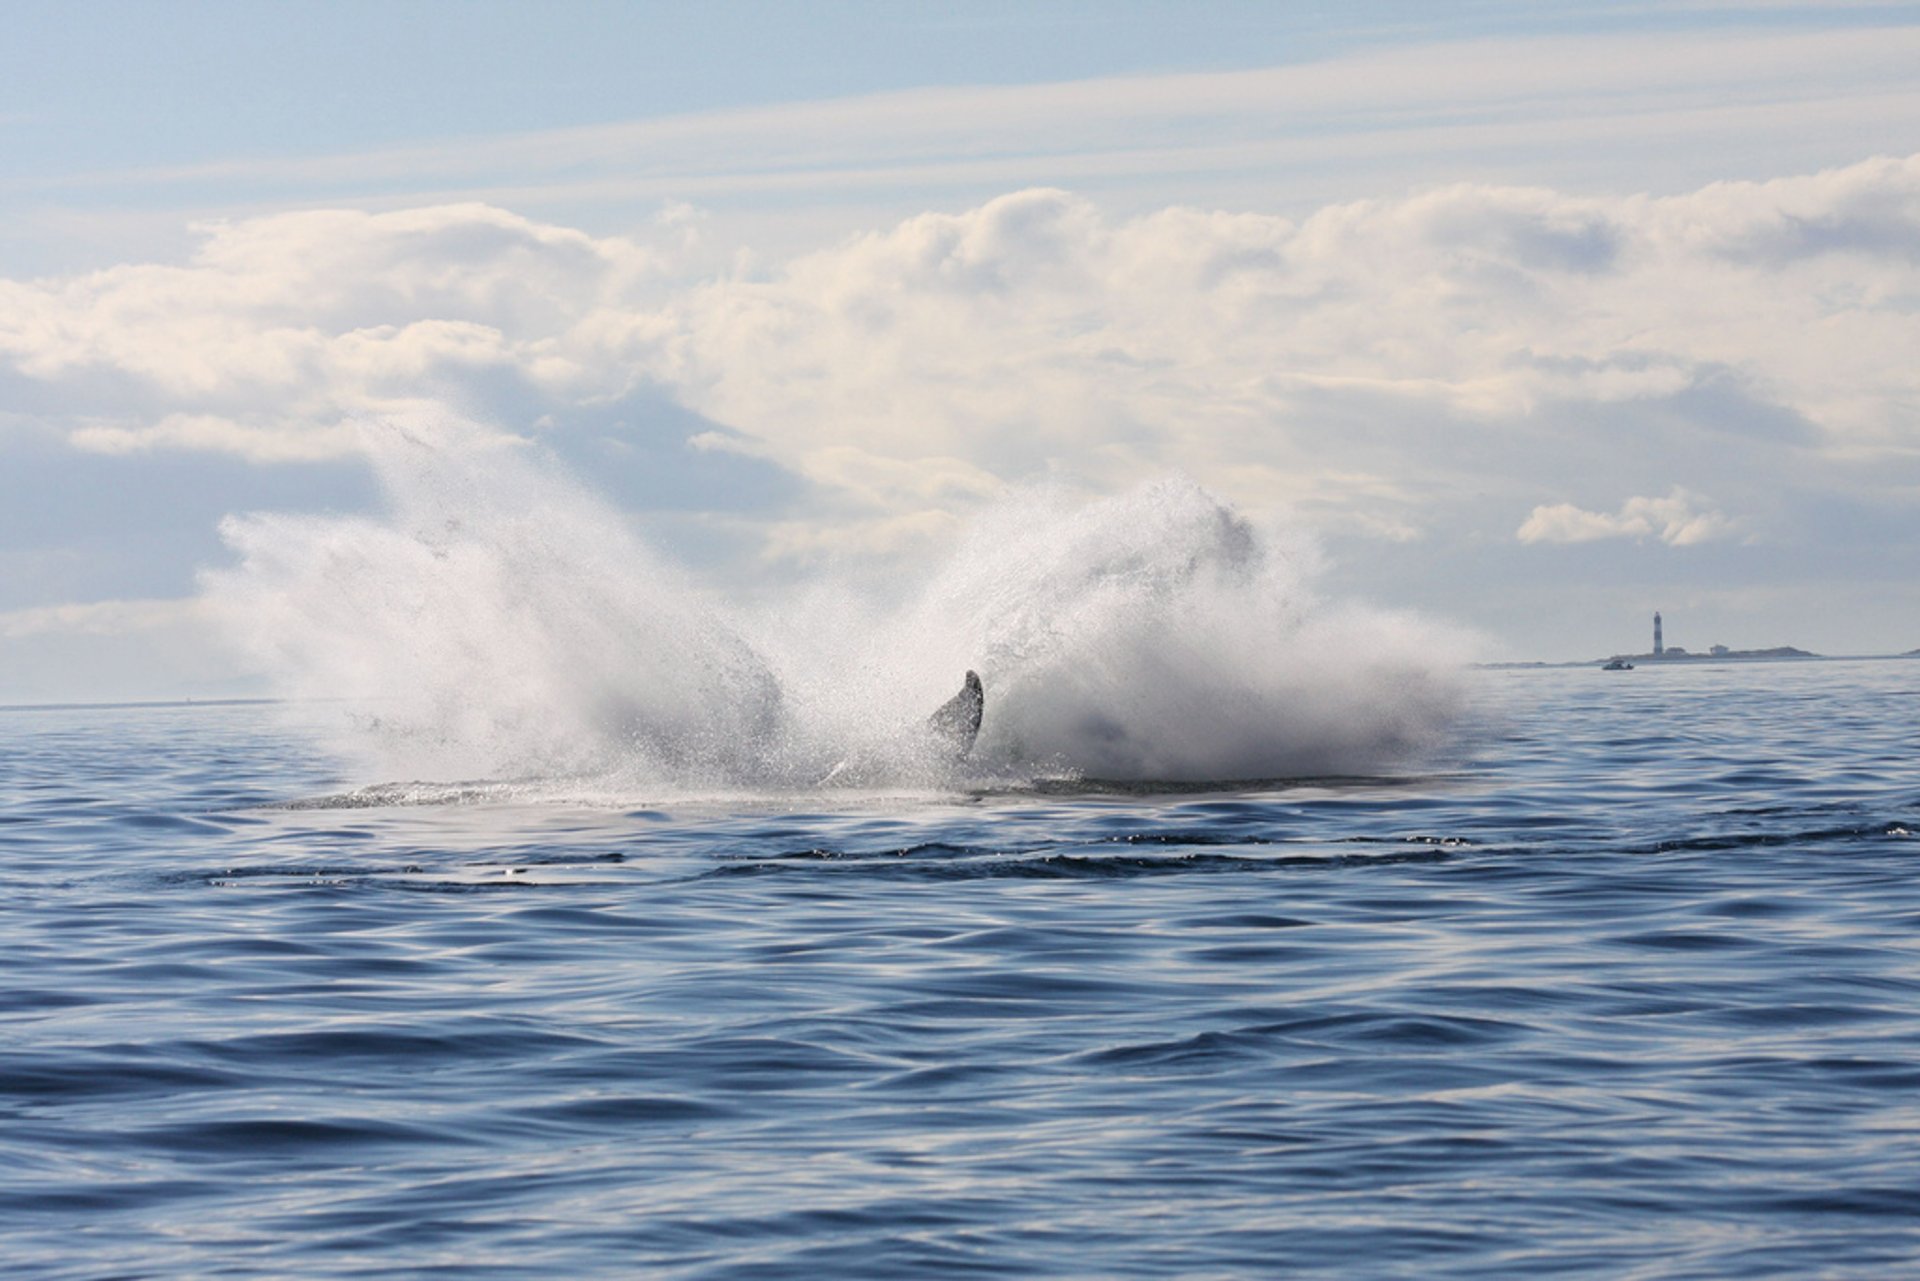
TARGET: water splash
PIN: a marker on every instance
(503, 622)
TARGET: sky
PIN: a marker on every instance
(1537, 317)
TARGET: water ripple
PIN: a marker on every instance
(1626, 987)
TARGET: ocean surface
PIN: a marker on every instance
(1621, 981)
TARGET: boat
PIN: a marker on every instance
(1618, 665)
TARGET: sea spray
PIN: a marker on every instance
(1161, 635)
(500, 621)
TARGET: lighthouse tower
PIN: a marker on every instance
(1659, 647)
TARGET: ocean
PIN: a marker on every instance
(1616, 975)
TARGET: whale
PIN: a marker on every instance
(951, 730)
(956, 722)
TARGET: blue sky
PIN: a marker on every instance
(1538, 317)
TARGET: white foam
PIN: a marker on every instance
(503, 622)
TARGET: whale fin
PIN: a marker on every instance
(957, 723)
(953, 726)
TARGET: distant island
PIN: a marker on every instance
(1719, 654)
(1675, 654)
(1665, 653)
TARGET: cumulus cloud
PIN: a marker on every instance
(1680, 519)
(280, 327)
(1379, 341)
(1364, 362)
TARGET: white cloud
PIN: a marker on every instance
(719, 442)
(1419, 110)
(99, 618)
(1680, 519)
(1369, 362)
(1034, 328)
(282, 326)
(269, 443)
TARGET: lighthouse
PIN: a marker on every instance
(1659, 647)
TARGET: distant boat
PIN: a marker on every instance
(1618, 665)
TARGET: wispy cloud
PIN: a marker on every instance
(208, 433)
(1427, 109)
(99, 618)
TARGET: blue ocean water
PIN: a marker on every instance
(1624, 982)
